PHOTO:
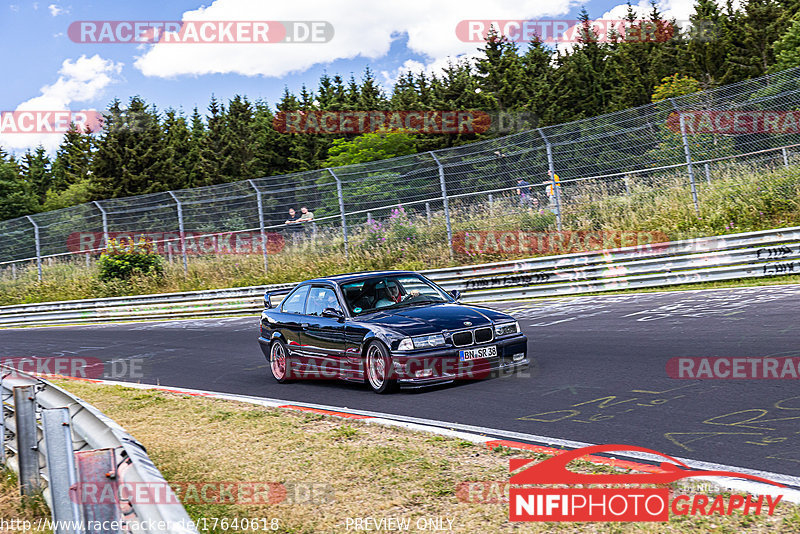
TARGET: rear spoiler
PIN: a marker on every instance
(273, 293)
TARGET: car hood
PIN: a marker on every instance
(418, 320)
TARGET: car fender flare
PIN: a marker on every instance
(373, 336)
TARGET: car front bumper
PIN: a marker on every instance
(428, 367)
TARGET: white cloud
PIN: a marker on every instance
(14, 7)
(55, 10)
(435, 67)
(364, 28)
(82, 80)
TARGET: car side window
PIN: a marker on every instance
(320, 298)
(295, 302)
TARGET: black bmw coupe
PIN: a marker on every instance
(389, 329)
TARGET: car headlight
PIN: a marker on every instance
(426, 342)
(405, 344)
(505, 329)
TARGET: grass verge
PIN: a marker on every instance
(18, 514)
(365, 470)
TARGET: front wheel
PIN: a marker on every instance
(279, 361)
(379, 369)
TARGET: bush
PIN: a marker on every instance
(120, 261)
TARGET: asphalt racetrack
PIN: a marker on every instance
(599, 375)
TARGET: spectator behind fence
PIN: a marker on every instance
(526, 199)
(307, 216)
(293, 217)
(551, 193)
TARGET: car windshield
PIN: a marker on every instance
(390, 291)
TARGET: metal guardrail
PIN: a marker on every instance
(747, 255)
(60, 445)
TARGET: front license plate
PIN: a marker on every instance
(476, 354)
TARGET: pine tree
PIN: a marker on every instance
(501, 73)
(36, 170)
(787, 48)
(132, 156)
(17, 198)
(73, 159)
(370, 95)
(237, 155)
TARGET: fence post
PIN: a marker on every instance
(785, 157)
(60, 468)
(428, 211)
(708, 172)
(446, 203)
(38, 245)
(27, 439)
(261, 223)
(688, 154)
(490, 201)
(3, 398)
(341, 210)
(180, 230)
(105, 222)
(556, 187)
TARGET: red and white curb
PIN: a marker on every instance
(475, 434)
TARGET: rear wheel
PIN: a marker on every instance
(279, 361)
(379, 369)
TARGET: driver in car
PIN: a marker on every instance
(391, 295)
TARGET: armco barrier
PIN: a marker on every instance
(74, 443)
(747, 255)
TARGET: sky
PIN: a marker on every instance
(49, 64)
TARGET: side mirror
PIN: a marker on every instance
(456, 294)
(333, 313)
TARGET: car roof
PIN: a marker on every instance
(353, 277)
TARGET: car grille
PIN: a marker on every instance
(462, 339)
(469, 337)
(483, 335)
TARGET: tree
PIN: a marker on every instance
(370, 147)
(73, 159)
(36, 170)
(501, 73)
(787, 48)
(132, 156)
(16, 195)
(675, 85)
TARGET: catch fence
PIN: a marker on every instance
(679, 158)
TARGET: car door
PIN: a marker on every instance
(292, 320)
(323, 337)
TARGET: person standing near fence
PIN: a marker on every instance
(553, 191)
(524, 192)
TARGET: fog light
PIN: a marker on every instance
(424, 373)
(519, 356)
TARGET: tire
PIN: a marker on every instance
(279, 362)
(377, 367)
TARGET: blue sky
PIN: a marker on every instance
(44, 69)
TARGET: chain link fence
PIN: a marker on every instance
(672, 159)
